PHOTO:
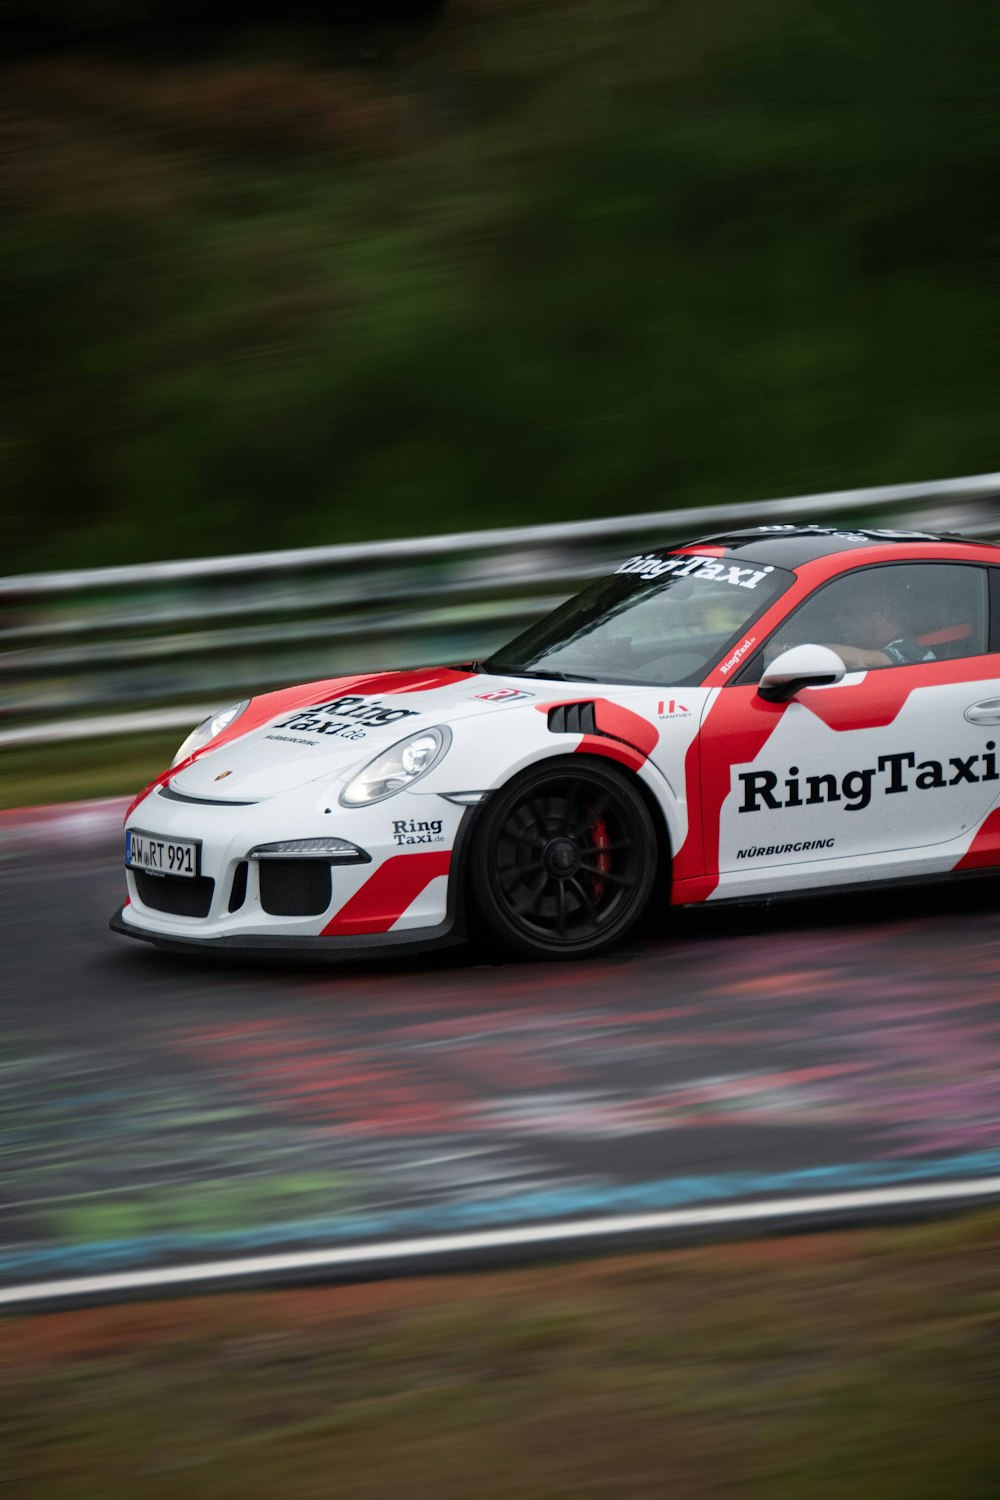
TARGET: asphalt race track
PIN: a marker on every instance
(161, 1115)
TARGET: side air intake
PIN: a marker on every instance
(572, 718)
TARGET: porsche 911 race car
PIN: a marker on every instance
(771, 711)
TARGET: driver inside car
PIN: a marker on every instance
(873, 630)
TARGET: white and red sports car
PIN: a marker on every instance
(761, 713)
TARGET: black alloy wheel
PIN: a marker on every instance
(564, 860)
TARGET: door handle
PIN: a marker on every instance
(985, 712)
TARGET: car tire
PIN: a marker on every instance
(564, 860)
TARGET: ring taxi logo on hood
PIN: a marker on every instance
(345, 718)
(365, 711)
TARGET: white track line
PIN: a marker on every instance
(170, 1277)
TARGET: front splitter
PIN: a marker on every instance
(448, 934)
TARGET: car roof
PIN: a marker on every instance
(790, 546)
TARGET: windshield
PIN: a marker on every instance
(658, 621)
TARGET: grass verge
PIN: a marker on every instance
(40, 774)
(847, 1364)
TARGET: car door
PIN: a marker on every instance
(897, 756)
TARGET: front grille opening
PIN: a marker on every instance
(173, 894)
(238, 894)
(295, 887)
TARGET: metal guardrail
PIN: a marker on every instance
(127, 650)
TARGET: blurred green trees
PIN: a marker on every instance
(542, 260)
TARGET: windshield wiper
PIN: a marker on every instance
(547, 676)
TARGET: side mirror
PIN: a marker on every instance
(801, 667)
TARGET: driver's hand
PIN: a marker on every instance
(860, 658)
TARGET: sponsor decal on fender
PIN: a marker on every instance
(768, 851)
(417, 831)
(686, 566)
(503, 695)
(671, 709)
(763, 789)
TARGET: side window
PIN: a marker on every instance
(893, 615)
(994, 609)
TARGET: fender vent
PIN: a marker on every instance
(572, 718)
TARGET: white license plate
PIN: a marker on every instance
(159, 855)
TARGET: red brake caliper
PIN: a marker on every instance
(599, 829)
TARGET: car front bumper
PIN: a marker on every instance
(402, 898)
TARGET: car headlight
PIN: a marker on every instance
(398, 767)
(206, 731)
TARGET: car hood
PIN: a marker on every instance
(324, 730)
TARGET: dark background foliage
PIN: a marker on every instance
(281, 283)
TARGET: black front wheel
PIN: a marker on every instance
(564, 860)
